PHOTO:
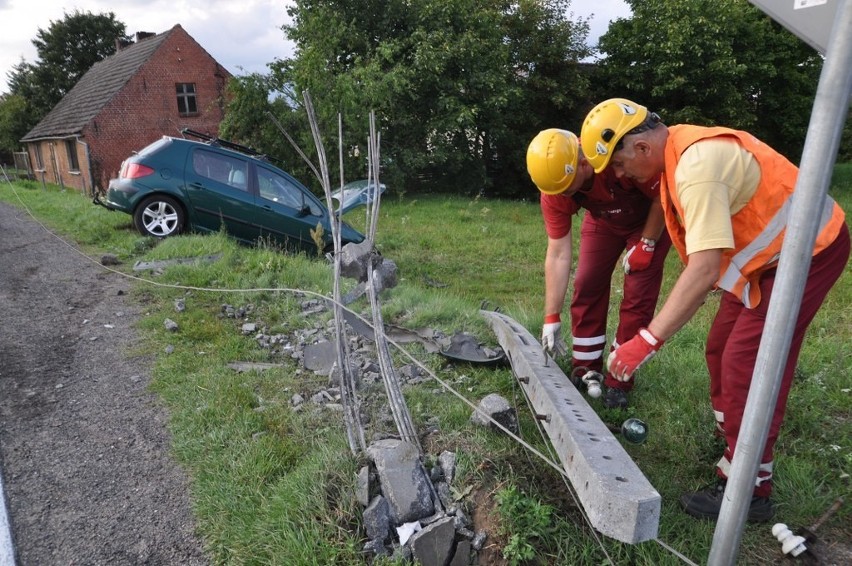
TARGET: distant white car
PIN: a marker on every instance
(355, 194)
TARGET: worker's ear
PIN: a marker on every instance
(642, 146)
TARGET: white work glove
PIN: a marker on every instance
(639, 256)
(551, 336)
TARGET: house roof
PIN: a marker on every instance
(95, 89)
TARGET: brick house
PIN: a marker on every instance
(152, 87)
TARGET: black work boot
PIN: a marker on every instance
(615, 398)
(706, 503)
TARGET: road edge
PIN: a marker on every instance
(7, 550)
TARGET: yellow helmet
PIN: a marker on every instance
(604, 127)
(552, 160)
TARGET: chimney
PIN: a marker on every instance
(121, 44)
(140, 35)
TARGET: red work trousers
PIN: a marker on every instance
(732, 346)
(601, 244)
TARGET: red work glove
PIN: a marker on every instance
(623, 362)
(639, 256)
(551, 336)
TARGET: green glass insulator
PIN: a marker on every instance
(634, 430)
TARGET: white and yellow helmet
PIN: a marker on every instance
(604, 127)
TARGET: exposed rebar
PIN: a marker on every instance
(402, 417)
(351, 413)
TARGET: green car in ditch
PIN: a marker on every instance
(174, 185)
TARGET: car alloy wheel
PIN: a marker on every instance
(159, 216)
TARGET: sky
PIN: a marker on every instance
(242, 35)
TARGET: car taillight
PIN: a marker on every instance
(135, 170)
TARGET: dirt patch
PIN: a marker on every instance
(833, 548)
(485, 519)
(84, 450)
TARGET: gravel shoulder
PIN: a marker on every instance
(84, 450)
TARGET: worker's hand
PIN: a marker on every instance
(639, 256)
(551, 336)
(623, 362)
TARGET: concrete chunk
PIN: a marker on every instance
(377, 519)
(320, 357)
(447, 460)
(432, 545)
(355, 259)
(498, 408)
(403, 479)
(462, 555)
(362, 486)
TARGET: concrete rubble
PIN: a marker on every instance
(403, 480)
(395, 489)
(409, 511)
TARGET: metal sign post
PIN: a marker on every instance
(823, 139)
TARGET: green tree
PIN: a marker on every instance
(720, 62)
(459, 87)
(14, 124)
(254, 110)
(22, 84)
(66, 50)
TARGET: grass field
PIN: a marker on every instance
(273, 486)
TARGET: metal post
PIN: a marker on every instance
(827, 118)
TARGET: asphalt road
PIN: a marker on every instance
(84, 448)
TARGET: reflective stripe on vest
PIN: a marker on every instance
(732, 276)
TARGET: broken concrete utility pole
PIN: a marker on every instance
(619, 501)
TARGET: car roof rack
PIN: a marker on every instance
(216, 141)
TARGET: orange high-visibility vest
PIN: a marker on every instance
(759, 227)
